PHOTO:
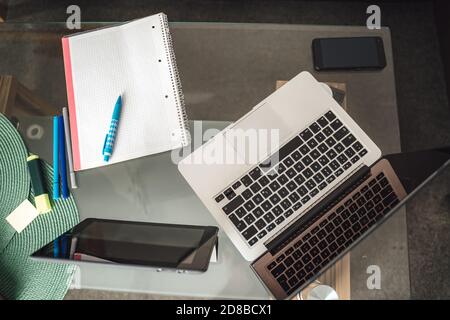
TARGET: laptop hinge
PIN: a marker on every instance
(311, 216)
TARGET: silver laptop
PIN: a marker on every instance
(270, 167)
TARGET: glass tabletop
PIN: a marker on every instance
(225, 70)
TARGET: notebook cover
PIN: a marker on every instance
(71, 102)
(71, 97)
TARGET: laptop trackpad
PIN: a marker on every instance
(259, 134)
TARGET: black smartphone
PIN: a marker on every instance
(356, 53)
(158, 245)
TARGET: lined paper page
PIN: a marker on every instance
(123, 60)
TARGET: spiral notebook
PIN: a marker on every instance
(135, 60)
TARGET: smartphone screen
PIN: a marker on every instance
(356, 53)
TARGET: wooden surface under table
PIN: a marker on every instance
(337, 276)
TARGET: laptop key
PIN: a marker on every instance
(220, 197)
(306, 134)
(288, 162)
(307, 173)
(247, 194)
(263, 181)
(246, 180)
(314, 127)
(269, 217)
(294, 197)
(249, 205)
(249, 218)
(253, 241)
(301, 275)
(316, 166)
(291, 185)
(304, 149)
(279, 220)
(274, 186)
(318, 178)
(249, 232)
(258, 212)
(322, 186)
(296, 155)
(320, 137)
(234, 219)
(257, 199)
(312, 143)
(282, 179)
(241, 226)
(285, 286)
(314, 192)
(236, 185)
(270, 227)
(355, 159)
(283, 192)
(322, 121)
(266, 192)
(291, 173)
(310, 184)
(336, 124)
(278, 270)
(288, 213)
(330, 116)
(275, 198)
(330, 142)
(266, 205)
(362, 153)
(322, 147)
(305, 199)
(293, 281)
(286, 204)
(290, 272)
(315, 154)
(271, 265)
(240, 212)
(233, 205)
(260, 224)
(331, 154)
(299, 179)
(229, 193)
(349, 152)
(307, 160)
(255, 173)
(348, 140)
(342, 132)
(327, 131)
(262, 234)
(302, 191)
(255, 187)
(277, 211)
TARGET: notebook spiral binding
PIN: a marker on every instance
(175, 78)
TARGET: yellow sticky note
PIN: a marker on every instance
(22, 216)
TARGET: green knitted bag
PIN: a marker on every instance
(20, 277)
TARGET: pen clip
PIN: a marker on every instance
(104, 144)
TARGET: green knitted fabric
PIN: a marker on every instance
(14, 177)
(21, 277)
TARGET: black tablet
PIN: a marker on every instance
(181, 247)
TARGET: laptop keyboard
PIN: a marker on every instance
(303, 259)
(272, 191)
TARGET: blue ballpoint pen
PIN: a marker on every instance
(111, 135)
(55, 158)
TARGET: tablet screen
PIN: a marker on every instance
(136, 243)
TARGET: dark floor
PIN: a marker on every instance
(422, 100)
